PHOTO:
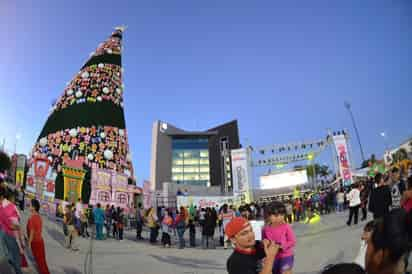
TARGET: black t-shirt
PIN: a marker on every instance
(244, 262)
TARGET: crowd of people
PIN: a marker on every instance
(384, 242)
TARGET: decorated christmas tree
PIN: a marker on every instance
(86, 126)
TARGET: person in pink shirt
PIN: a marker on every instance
(280, 232)
(9, 228)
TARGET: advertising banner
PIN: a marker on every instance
(241, 174)
(206, 201)
(284, 179)
(343, 159)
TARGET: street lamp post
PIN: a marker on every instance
(348, 107)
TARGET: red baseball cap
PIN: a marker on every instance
(235, 226)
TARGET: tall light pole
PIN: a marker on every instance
(348, 107)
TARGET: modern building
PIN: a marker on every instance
(197, 159)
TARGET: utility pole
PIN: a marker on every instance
(348, 107)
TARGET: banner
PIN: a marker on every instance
(206, 201)
(241, 174)
(343, 158)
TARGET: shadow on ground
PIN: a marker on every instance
(189, 262)
(57, 235)
(70, 270)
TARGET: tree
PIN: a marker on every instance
(5, 162)
(399, 156)
(369, 162)
(324, 171)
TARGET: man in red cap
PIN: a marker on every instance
(248, 252)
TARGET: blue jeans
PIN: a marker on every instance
(14, 252)
(99, 231)
(180, 233)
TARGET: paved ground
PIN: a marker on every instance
(327, 242)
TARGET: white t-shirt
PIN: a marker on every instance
(354, 197)
(340, 197)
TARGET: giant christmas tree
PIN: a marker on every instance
(86, 127)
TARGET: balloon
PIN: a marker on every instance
(85, 75)
(102, 135)
(79, 94)
(99, 98)
(90, 156)
(101, 65)
(73, 132)
(105, 90)
(43, 141)
(108, 154)
(121, 132)
(69, 92)
(118, 90)
(50, 158)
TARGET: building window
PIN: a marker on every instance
(122, 198)
(104, 196)
(190, 161)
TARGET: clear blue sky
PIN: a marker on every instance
(282, 68)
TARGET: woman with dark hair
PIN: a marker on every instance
(343, 268)
(380, 199)
(209, 229)
(388, 245)
(35, 238)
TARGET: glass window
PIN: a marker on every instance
(191, 161)
(104, 196)
(177, 154)
(177, 177)
(190, 164)
(204, 177)
(177, 169)
(191, 169)
(204, 161)
(122, 198)
(177, 162)
(190, 177)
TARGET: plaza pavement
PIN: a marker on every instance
(329, 241)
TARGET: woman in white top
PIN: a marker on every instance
(354, 204)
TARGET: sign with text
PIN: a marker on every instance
(343, 158)
(241, 173)
(205, 201)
